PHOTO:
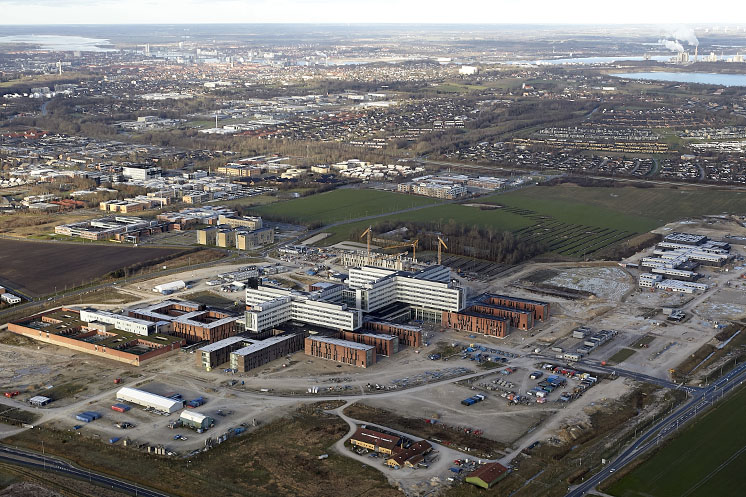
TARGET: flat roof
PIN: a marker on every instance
(342, 343)
(517, 299)
(263, 344)
(226, 342)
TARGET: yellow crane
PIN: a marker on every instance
(412, 244)
(367, 232)
(441, 243)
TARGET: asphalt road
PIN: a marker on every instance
(700, 401)
(47, 463)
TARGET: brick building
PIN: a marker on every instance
(189, 320)
(408, 335)
(519, 318)
(474, 322)
(333, 349)
(540, 309)
(386, 345)
(260, 353)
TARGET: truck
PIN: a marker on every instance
(473, 400)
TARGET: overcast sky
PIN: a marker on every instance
(370, 11)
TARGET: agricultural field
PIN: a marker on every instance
(338, 205)
(706, 459)
(37, 268)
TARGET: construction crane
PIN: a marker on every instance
(441, 243)
(367, 232)
(412, 244)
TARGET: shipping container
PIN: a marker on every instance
(120, 407)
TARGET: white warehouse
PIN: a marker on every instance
(147, 399)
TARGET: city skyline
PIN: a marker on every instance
(42, 12)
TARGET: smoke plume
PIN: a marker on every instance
(672, 45)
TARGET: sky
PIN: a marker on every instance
(370, 11)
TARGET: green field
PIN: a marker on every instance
(571, 221)
(706, 460)
(621, 356)
(338, 205)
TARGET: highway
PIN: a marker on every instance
(47, 463)
(700, 401)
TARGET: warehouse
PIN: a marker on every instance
(411, 456)
(147, 399)
(386, 345)
(196, 421)
(168, 288)
(487, 475)
(333, 349)
(375, 441)
(410, 336)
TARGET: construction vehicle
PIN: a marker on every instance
(367, 232)
(443, 244)
(412, 244)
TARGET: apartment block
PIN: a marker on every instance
(474, 322)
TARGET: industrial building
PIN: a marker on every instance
(147, 399)
(411, 456)
(375, 441)
(487, 475)
(66, 328)
(333, 349)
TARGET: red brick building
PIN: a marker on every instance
(386, 345)
(408, 335)
(519, 318)
(473, 322)
(334, 349)
(540, 309)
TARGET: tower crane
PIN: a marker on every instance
(412, 244)
(441, 243)
(367, 232)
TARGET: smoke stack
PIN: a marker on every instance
(696, 48)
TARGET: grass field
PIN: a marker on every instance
(571, 221)
(706, 459)
(36, 268)
(279, 458)
(338, 205)
(621, 356)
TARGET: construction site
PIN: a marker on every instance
(477, 369)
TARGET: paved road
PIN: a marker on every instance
(47, 463)
(596, 366)
(703, 399)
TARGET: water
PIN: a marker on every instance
(59, 43)
(704, 78)
(590, 60)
